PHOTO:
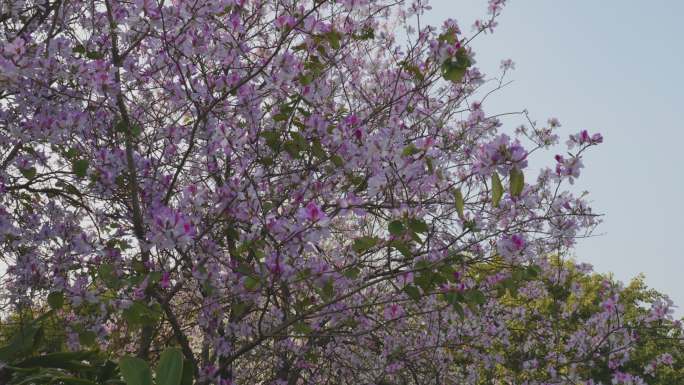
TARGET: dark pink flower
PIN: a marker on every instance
(314, 213)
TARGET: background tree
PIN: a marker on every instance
(284, 190)
(551, 325)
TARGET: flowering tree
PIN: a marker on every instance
(285, 190)
(577, 325)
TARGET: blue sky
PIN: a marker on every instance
(616, 67)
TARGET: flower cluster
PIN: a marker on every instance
(291, 193)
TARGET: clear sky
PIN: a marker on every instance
(616, 67)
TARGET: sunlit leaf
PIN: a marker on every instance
(80, 167)
(395, 227)
(135, 371)
(517, 182)
(458, 202)
(497, 189)
(364, 243)
(169, 370)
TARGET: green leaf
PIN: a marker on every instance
(251, 283)
(395, 227)
(518, 275)
(413, 70)
(267, 161)
(402, 247)
(139, 267)
(513, 290)
(475, 297)
(108, 373)
(266, 206)
(299, 47)
(28, 173)
(459, 309)
(364, 243)
(302, 327)
(20, 344)
(87, 338)
(69, 380)
(188, 374)
(458, 202)
(367, 33)
(238, 309)
(170, 368)
(60, 360)
(71, 153)
(328, 290)
(22, 341)
(154, 277)
(453, 72)
(448, 36)
(425, 280)
(412, 292)
(136, 130)
(497, 189)
(455, 68)
(56, 299)
(281, 116)
(334, 39)
(120, 126)
(94, 55)
(299, 139)
(418, 226)
(317, 149)
(462, 58)
(292, 148)
(447, 272)
(302, 305)
(80, 167)
(306, 78)
(139, 314)
(410, 150)
(352, 272)
(135, 371)
(533, 271)
(272, 139)
(107, 274)
(450, 297)
(517, 181)
(337, 160)
(430, 166)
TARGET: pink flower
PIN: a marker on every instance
(15, 49)
(500, 154)
(518, 242)
(507, 64)
(165, 281)
(285, 21)
(512, 246)
(393, 311)
(277, 266)
(314, 213)
(584, 139)
(358, 134)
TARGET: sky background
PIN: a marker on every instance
(614, 67)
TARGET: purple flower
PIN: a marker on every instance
(501, 154)
(165, 280)
(584, 139)
(314, 213)
(393, 311)
(507, 64)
